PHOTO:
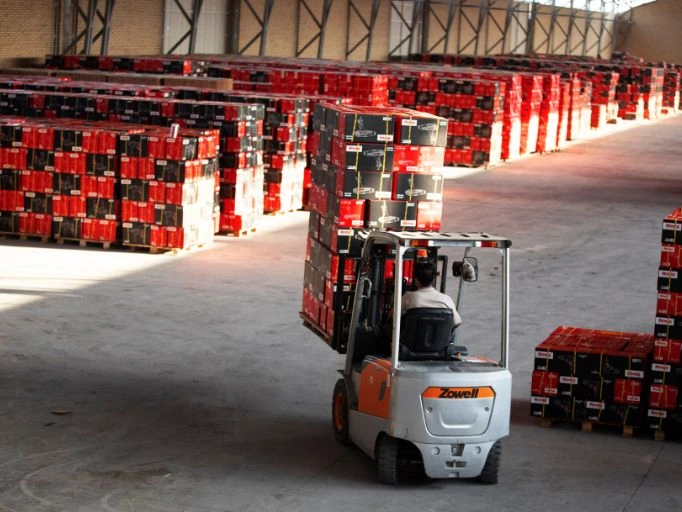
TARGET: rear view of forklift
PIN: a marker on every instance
(411, 395)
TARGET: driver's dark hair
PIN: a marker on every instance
(424, 272)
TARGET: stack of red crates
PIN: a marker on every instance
(85, 203)
(374, 169)
(531, 87)
(603, 96)
(285, 139)
(564, 112)
(241, 168)
(549, 112)
(168, 188)
(591, 375)
(671, 90)
(665, 399)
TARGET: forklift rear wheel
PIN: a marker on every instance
(387, 459)
(340, 413)
(491, 469)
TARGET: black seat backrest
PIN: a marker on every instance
(426, 334)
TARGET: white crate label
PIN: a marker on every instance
(634, 374)
(568, 380)
(544, 354)
(661, 343)
(672, 225)
(409, 122)
(540, 400)
(355, 148)
(358, 222)
(408, 223)
(656, 389)
(384, 138)
(551, 391)
(665, 321)
(658, 414)
(660, 367)
(632, 398)
(667, 248)
(344, 232)
(664, 296)
(672, 274)
(595, 405)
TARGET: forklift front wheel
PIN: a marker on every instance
(491, 469)
(387, 459)
(340, 413)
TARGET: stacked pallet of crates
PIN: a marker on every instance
(652, 89)
(531, 87)
(603, 96)
(242, 172)
(284, 154)
(168, 185)
(580, 109)
(665, 399)
(26, 179)
(475, 110)
(85, 203)
(375, 169)
(549, 112)
(629, 94)
(564, 112)
(671, 91)
(592, 376)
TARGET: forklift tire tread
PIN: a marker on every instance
(340, 413)
(387, 460)
(491, 469)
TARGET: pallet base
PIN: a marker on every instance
(83, 243)
(151, 249)
(659, 435)
(237, 233)
(23, 237)
(588, 426)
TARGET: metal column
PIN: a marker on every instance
(321, 23)
(354, 9)
(263, 23)
(83, 41)
(193, 21)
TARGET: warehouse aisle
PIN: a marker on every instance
(145, 385)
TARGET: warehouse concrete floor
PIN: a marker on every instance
(186, 383)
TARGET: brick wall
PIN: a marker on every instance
(655, 33)
(26, 30)
(137, 27)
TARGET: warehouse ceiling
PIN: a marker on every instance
(607, 6)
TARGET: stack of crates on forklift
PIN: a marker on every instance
(168, 188)
(665, 398)
(374, 169)
(241, 167)
(591, 375)
(531, 87)
(549, 112)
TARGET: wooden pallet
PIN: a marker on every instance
(238, 233)
(588, 426)
(83, 243)
(279, 212)
(151, 249)
(23, 237)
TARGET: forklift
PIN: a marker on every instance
(410, 395)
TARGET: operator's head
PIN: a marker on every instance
(424, 272)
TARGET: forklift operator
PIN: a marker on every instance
(425, 295)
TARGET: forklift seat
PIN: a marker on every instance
(426, 334)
